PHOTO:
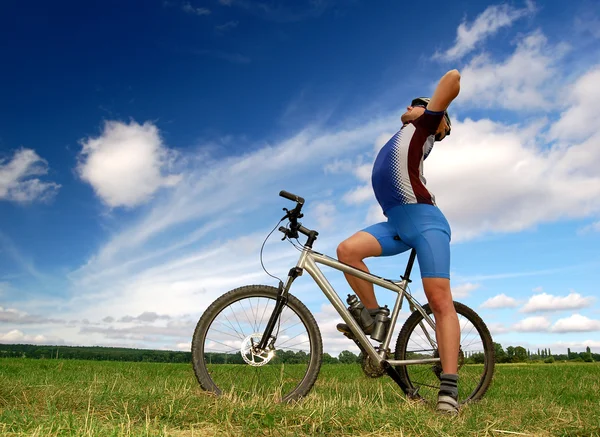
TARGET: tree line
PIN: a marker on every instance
(512, 354)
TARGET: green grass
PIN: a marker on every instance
(77, 398)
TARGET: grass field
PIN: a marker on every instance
(73, 398)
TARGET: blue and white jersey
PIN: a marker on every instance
(397, 176)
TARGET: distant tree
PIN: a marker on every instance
(520, 355)
(328, 359)
(499, 353)
(510, 353)
(549, 360)
(549, 352)
(569, 353)
(347, 357)
(588, 350)
(539, 355)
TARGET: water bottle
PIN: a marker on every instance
(382, 321)
(360, 313)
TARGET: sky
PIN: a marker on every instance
(143, 146)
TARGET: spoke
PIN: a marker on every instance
(291, 338)
(263, 314)
(245, 313)
(474, 341)
(242, 336)
(290, 327)
(225, 333)
(472, 326)
(226, 345)
(238, 322)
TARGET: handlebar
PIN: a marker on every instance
(293, 217)
(291, 197)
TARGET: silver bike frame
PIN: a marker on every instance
(308, 261)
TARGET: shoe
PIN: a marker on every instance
(447, 404)
(345, 329)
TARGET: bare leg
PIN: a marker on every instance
(447, 329)
(352, 252)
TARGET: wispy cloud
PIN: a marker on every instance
(10, 315)
(490, 21)
(26, 264)
(189, 9)
(19, 181)
(225, 27)
(525, 81)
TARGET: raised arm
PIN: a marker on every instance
(446, 91)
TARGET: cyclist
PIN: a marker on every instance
(414, 221)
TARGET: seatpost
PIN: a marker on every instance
(409, 266)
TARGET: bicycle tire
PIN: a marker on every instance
(227, 300)
(424, 378)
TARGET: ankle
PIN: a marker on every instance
(449, 385)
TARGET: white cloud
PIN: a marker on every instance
(525, 81)
(538, 289)
(464, 290)
(532, 324)
(16, 336)
(186, 347)
(125, 164)
(576, 323)
(548, 302)
(493, 177)
(189, 9)
(495, 17)
(18, 181)
(497, 328)
(500, 301)
(578, 122)
(13, 316)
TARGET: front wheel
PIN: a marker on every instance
(226, 360)
(475, 362)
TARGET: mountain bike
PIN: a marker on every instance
(260, 340)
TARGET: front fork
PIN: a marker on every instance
(282, 299)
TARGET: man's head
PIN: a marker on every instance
(417, 108)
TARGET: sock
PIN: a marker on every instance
(449, 385)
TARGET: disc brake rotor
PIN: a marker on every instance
(252, 355)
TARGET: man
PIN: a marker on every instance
(399, 187)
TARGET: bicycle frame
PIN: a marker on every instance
(308, 261)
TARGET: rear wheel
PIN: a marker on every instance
(476, 356)
(225, 357)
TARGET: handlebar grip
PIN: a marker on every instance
(291, 197)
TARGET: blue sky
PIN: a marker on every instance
(143, 145)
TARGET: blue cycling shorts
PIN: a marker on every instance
(420, 226)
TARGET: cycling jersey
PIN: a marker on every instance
(397, 176)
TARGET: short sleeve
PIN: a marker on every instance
(430, 121)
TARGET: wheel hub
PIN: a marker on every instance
(254, 356)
